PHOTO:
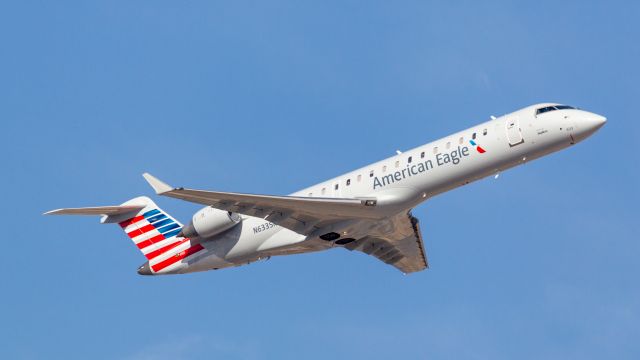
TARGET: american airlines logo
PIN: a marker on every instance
(416, 169)
(477, 147)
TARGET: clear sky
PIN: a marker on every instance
(270, 97)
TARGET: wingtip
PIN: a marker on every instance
(158, 186)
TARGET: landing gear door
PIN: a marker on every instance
(514, 134)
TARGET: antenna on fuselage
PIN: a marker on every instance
(398, 152)
(493, 117)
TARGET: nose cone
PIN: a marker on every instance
(145, 269)
(595, 122)
(588, 125)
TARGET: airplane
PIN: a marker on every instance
(366, 210)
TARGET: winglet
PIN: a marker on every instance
(158, 186)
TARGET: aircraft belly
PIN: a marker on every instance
(253, 235)
(208, 261)
(280, 239)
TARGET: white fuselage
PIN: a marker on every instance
(403, 181)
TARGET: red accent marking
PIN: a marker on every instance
(126, 223)
(141, 231)
(164, 249)
(177, 257)
(480, 150)
(143, 244)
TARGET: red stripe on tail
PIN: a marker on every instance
(164, 249)
(126, 223)
(177, 257)
(143, 244)
(140, 231)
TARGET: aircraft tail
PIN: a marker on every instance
(150, 228)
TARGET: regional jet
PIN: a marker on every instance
(366, 210)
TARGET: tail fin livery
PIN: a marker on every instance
(151, 229)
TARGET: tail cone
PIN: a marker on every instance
(145, 269)
(188, 231)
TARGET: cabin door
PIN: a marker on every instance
(514, 134)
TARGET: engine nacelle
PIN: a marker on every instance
(208, 222)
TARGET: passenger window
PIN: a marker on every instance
(422, 155)
(384, 168)
(473, 136)
(448, 145)
(409, 159)
(397, 164)
(435, 150)
(335, 187)
(311, 194)
(359, 178)
(461, 140)
(324, 190)
(371, 173)
(348, 182)
(484, 132)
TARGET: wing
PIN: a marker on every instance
(300, 214)
(397, 243)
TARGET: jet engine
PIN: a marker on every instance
(209, 222)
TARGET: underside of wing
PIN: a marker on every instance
(300, 214)
(398, 243)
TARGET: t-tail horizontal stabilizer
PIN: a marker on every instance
(153, 231)
(97, 210)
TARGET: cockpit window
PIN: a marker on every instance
(552, 108)
(545, 109)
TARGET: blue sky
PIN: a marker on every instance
(269, 98)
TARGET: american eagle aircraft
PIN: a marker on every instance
(367, 210)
